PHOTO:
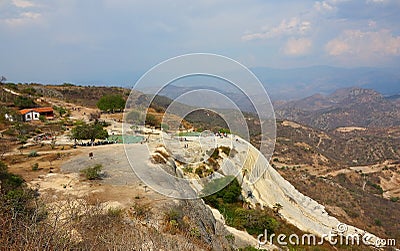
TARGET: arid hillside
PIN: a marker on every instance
(352, 168)
(345, 107)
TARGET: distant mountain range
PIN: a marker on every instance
(297, 83)
(284, 84)
(322, 97)
(344, 107)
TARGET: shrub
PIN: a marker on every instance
(3, 168)
(187, 169)
(376, 186)
(195, 232)
(135, 117)
(224, 130)
(213, 155)
(378, 222)
(213, 163)
(24, 102)
(33, 154)
(227, 201)
(9, 132)
(151, 120)
(230, 238)
(61, 110)
(202, 171)
(115, 212)
(164, 126)
(225, 150)
(42, 118)
(93, 173)
(141, 211)
(174, 220)
(35, 167)
(394, 199)
(229, 194)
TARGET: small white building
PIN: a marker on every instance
(29, 115)
(34, 113)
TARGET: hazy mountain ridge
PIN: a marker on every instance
(297, 83)
(344, 107)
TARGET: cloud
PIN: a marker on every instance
(137, 34)
(20, 12)
(294, 26)
(376, 1)
(23, 18)
(324, 6)
(364, 45)
(22, 3)
(337, 47)
(297, 47)
(330, 5)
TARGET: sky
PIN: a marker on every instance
(115, 41)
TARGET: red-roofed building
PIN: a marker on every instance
(34, 113)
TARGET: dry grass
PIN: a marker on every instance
(78, 225)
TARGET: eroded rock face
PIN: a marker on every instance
(211, 233)
(269, 187)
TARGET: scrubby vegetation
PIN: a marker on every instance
(361, 206)
(92, 173)
(28, 222)
(229, 202)
(135, 117)
(202, 171)
(24, 102)
(255, 221)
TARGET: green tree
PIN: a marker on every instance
(61, 110)
(91, 131)
(111, 103)
(151, 120)
(24, 102)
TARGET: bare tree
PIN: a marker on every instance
(4, 148)
(94, 116)
(53, 130)
(2, 79)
